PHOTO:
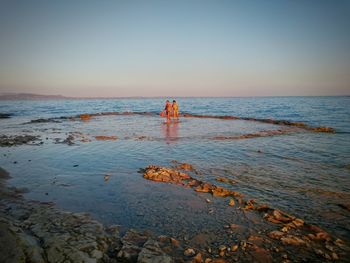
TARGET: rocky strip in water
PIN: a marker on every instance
(5, 115)
(267, 133)
(280, 233)
(270, 121)
(88, 116)
(14, 140)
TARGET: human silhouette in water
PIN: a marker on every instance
(175, 107)
(168, 109)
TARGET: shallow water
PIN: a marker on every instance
(303, 173)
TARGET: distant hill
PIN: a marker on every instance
(29, 96)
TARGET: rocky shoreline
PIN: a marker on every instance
(38, 232)
(33, 231)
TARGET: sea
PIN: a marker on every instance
(301, 172)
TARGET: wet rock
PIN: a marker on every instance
(14, 140)
(132, 245)
(222, 248)
(282, 217)
(106, 177)
(231, 202)
(85, 117)
(198, 258)
(234, 248)
(250, 205)
(175, 242)
(260, 255)
(292, 240)
(323, 129)
(225, 180)
(185, 166)
(220, 191)
(69, 140)
(161, 174)
(219, 260)
(5, 115)
(189, 252)
(44, 121)
(335, 256)
(152, 253)
(204, 188)
(298, 222)
(105, 138)
(256, 240)
(345, 206)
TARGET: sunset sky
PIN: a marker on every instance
(175, 48)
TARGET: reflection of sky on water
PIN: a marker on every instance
(300, 173)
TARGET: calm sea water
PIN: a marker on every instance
(304, 173)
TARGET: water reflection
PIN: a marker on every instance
(170, 130)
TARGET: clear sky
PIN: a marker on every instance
(175, 48)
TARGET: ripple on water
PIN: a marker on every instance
(302, 173)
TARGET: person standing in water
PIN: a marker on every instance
(175, 109)
(167, 109)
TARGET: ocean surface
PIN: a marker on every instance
(304, 173)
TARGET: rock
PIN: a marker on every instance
(260, 255)
(175, 242)
(249, 205)
(85, 117)
(15, 140)
(106, 177)
(232, 202)
(225, 180)
(198, 258)
(335, 256)
(204, 188)
(185, 166)
(189, 252)
(323, 129)
(96, 254)
(220, 191)
(152, 253)
(5, 115)
(298, 222)
(234, 248)
(105, 138)
(282, 217)
(222, 248)
(262, 208)
(161, 174)
(219, 260)
(292, 240)
(132, 245)
(256, 240)
(323, 236)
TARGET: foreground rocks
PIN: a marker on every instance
(14, 140)
(278, 231)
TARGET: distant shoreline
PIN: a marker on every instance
(31, 96)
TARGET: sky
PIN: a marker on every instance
(153, 48)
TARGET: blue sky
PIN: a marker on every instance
(175, 48)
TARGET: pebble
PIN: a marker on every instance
(234, 248)
(189, 252)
